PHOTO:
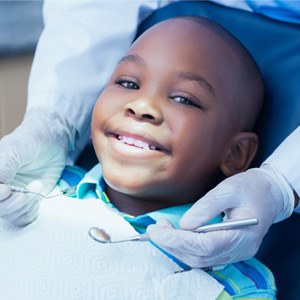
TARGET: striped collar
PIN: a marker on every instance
(93, 185)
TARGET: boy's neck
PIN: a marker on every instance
(131, 205)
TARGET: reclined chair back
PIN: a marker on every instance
(275, 46)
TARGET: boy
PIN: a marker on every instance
(174, 118)
(176, 115)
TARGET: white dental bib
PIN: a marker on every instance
(54, 258)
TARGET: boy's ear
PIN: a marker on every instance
(240, 153)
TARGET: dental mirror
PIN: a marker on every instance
(101, 236)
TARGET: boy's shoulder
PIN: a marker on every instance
(249, 279)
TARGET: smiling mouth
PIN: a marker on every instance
(137, 143)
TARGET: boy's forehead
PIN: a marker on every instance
(184, 29)
(183, 37)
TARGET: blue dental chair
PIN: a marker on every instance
(276, 48)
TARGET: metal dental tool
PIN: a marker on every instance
(69, 192)
(101, 236)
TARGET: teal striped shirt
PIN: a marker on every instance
(248, 279)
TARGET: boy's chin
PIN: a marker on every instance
(128, 188)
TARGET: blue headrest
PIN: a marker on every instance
(274, 45)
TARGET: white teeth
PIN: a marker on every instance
(137, 143)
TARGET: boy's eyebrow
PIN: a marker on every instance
(133, 58)
(199, 80)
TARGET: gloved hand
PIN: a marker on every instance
(261, 193)
(36, 150)
(18, 208)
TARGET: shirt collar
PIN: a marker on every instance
(89, 183)
(93, 185)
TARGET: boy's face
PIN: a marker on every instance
(164, 121)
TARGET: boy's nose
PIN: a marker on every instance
(145, 109)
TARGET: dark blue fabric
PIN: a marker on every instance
(70, 177)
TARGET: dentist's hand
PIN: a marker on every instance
(18, 208)
(261, 193)
(36, 150)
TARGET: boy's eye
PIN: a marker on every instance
(127, 84)
(185, 101)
